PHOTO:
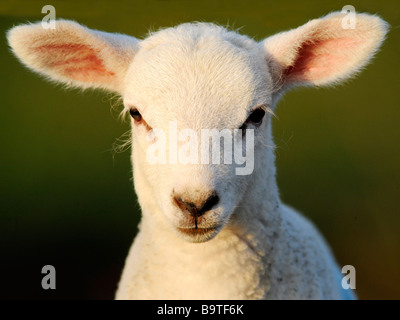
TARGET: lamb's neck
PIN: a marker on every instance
(258, 217)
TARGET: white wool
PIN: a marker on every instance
(204, 76)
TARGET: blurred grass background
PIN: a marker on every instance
(66, 201)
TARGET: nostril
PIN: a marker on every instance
(186, 206)
(196, 208)
(210, 203)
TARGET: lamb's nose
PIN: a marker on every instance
(196, 207)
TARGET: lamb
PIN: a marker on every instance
(207, 232)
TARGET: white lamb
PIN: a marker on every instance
(207, 232)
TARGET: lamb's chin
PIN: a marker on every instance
(198, 235)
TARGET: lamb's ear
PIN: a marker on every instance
(74, 54)
(322, 51)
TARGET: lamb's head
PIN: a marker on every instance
(187, 87)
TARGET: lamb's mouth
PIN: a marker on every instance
(198, 231)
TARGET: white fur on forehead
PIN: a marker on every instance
(322, 51)
(198, 71)
(196, 32)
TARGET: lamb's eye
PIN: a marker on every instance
(135, 114)
(256, 116)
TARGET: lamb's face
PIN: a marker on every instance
(177, 89)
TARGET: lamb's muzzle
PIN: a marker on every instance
(196, 207)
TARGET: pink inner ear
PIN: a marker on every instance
(75, 61)
(321, 59)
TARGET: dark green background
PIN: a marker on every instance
(67, 201)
